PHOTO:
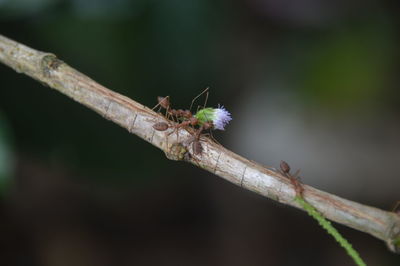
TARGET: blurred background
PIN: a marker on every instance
(311, 82)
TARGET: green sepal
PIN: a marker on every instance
(205, 115)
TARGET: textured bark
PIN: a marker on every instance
(139, 120)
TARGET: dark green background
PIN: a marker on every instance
(79, 190)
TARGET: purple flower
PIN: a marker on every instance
(221, 117)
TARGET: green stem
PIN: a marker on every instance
(331, 230)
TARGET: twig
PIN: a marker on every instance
(331, 230)
(298, 187)
(139, 120)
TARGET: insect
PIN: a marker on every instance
(163, 102)
(204, 119)
(285, 168)
(294, 179)
(197, 147)
(185, 118)
(196, 144)
(161, 126)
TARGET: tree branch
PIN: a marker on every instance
(139, 119)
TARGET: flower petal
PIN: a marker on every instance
(222, 118)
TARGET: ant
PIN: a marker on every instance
(294, 179)
(185, 116)
(196, 144)
(185, 119)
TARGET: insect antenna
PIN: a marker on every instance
(195, 98)
(163, 102)
(396, 208)
(205, 101)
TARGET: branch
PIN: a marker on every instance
(139, 120)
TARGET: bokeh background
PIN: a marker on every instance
(311, 82)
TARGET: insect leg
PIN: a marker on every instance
(195, 98)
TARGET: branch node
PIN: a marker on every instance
(49, 63)
(176, 152)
